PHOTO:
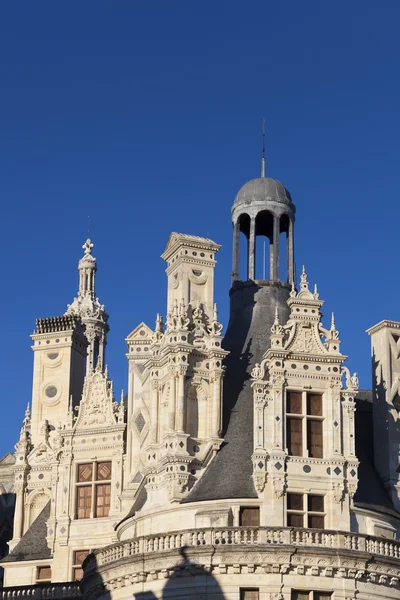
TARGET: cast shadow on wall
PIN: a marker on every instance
(186, 579)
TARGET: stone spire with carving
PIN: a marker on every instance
(87, 306)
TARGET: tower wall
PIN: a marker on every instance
(385, 341)
(60, 349)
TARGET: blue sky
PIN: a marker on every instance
(146, 116)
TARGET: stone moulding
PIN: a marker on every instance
(258, 550)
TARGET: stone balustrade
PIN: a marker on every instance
(244, 536)
(42, 591)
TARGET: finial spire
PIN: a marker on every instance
(303, 280)
(263, 150)
(87, 246)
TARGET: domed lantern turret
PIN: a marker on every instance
(263, 206)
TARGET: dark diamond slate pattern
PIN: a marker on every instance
(33, 545)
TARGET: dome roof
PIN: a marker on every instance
(263, 188)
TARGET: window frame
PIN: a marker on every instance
(75, 564)
(305, 419)
(305, 512)
(311, 594)
(93, 484)
(44, 580)
(243, 591)
(255, 509)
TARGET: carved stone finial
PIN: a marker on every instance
(316, 295)
(87, 246)
(122, 396)
(334, 334)
(99, 365)
(277, 328)
(27, 420)
(303, 280)
(293, 293)
(215, 312)
(159, 323)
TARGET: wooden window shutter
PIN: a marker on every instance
(249, 517)
(315, 439)
(249, 594)
(294, 436)
(103, 499)
(84, 501)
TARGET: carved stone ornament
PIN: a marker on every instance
(177, 319)
(279, 486)
(351, 380)
(97, 405)
(216, 327)
(338, 491)
(257, 372)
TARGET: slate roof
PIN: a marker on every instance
(371, 493)
(33, 545)
(229, 474)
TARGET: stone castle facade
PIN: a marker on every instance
(248, 466)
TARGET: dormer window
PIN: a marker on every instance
(304, 424)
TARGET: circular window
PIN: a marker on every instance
(53, 355)
(51, 391)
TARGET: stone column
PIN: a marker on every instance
(290, 252)
(216, 406)
(236, 251)
(172, 397)
(252, 249)
(275, 263)
(19, 510)
(180, 408)
(154, 411)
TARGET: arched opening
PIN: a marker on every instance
(283, 244)
(164, 412)
(263, 232)
(244, 233)
(196, 413)
(192, 412)
(35, 507)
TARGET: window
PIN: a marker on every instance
(305, 510)
(249, 516)
(304, 422)
(43, 574)
(249, 594)
(78, 558)
(93, 494)
(301, 595)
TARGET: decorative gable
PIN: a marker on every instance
(97, 407)
(139, 341)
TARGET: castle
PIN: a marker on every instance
(248, 466)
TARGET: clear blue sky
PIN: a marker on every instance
(146, 115)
